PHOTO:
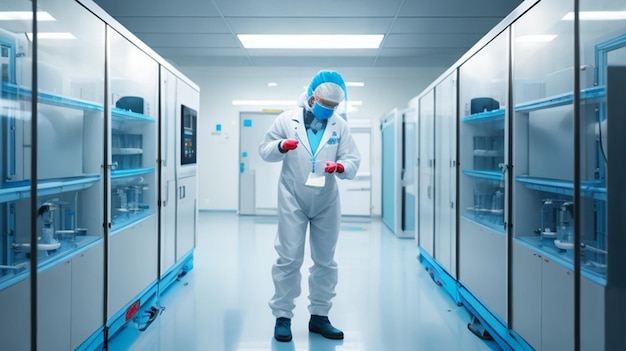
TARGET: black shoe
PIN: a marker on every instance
(282, 330)
(321, 325)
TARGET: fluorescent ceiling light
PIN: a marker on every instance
(535, 38)
(25, 16)
(351, 109)
(264, 102)
(596, 15)
(355, 84)
(284, 41)
(51, 35)
(280, 102)
(272, 84)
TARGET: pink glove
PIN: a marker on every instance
(332, 166)
(340, 168)
(289, 144)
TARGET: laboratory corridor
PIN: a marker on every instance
(385, 299)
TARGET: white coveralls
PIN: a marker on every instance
(299, 205)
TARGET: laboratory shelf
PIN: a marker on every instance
(485, 218)
(120, 115)
(485, 117)
(21, 190)
(485, 174)
(590, 94)
(13, 90)
(593, 189)
(120, 224)
(46, 259)
(130, 172)
(590, 268)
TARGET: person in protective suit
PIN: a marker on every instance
(315, 146)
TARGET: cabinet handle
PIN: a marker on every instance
(11, 157)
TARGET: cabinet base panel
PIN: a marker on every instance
(133, 309)
(439, 275)
(504, 337)
(94, 343)
(179, 269)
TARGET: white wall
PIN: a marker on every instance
(218, 159)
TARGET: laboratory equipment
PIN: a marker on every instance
(497, 201)
(188, 132)
(565, 230)
(483, 104)
(549, 217)
(131, 103)
(46, 212)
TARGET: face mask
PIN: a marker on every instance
(322, 112)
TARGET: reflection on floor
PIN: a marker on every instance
(385, 299)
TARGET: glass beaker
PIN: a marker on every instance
(566, 222)
(549, 217)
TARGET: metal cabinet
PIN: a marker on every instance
(483, 105)
(87, 297)
(445, 173)
(187, 215)
(539, 209)
(426, 173)
(398, 204)
(87, 122)
(63, 134)
(134, 88)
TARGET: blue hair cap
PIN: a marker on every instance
(325, 76)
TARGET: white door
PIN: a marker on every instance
(258, 180)
(355, 194)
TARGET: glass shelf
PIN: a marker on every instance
(485, 218)
(131, 199)
(592, 189)
(49, 99)
(590, 94)
(591, 264)
(130, 172)
(486, 117)
(20, 270)
(120, 115)
(21, 190)
(485, 174)
(120, 223)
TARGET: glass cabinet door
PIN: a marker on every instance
(445, 169)
(133, 100)
(15, 200)
(69, 159)
(543, 166)
(133, 88)
(426, 173)
(603, 45)
(602, 110)
(483, 94)
(70, 134)
(483, 82)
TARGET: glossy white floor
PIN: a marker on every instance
(385, 299)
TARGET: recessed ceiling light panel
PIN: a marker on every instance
(305, 41)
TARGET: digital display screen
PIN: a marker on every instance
(189, 118)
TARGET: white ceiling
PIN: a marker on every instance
(418, 33)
